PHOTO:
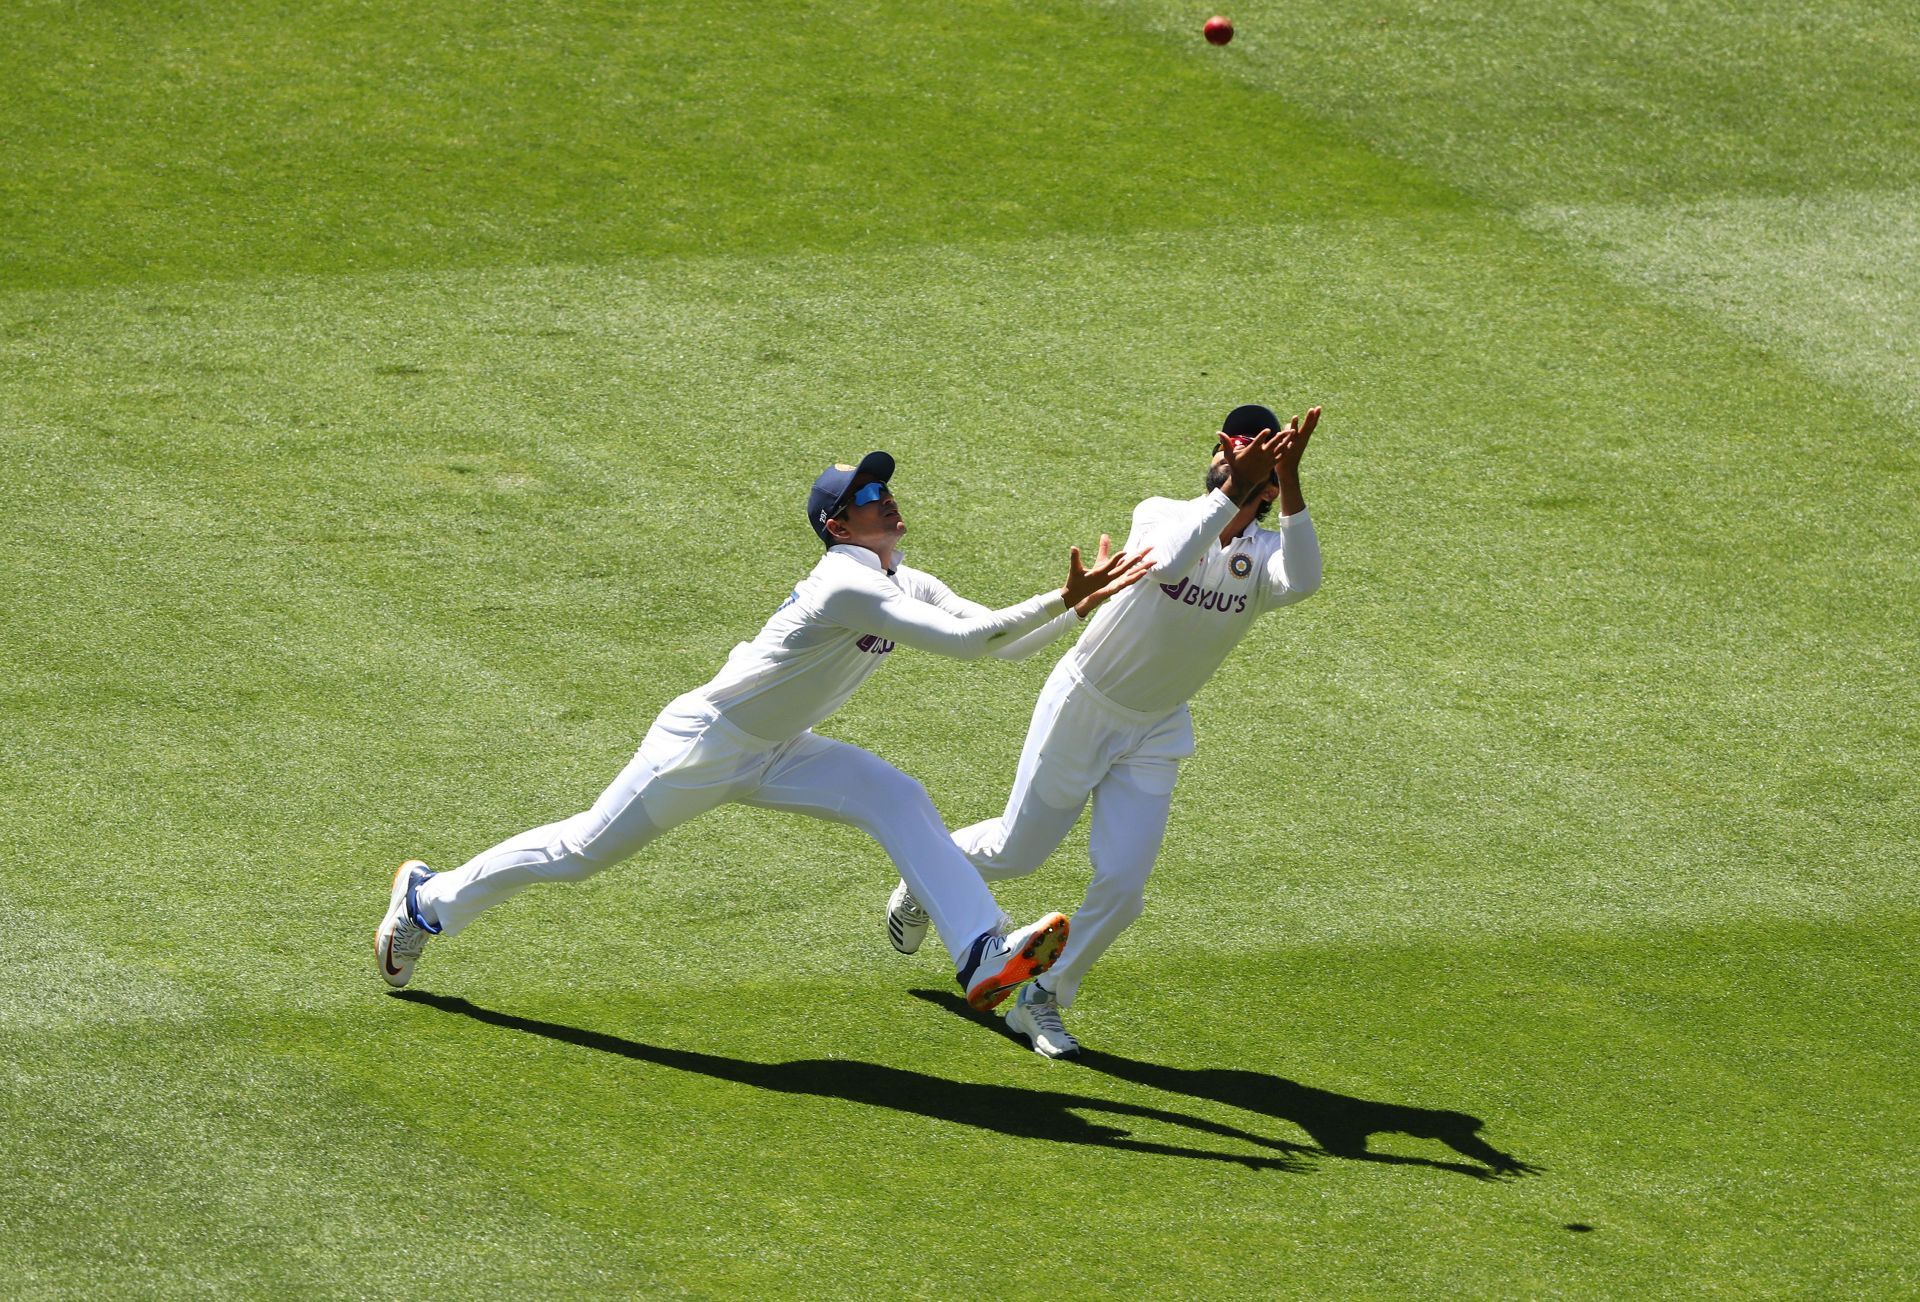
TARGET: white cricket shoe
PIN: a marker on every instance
(907, 922)
(1036, 1015)
(401, 937)
(996, 963)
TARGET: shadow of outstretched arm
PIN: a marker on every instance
(1340, 1125)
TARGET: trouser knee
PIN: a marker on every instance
(903, 791)
(570, 864)
(1016, 846)
(1129, 906)
(895, 805)
(590, 844)
(1012, 859)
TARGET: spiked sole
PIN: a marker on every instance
(1033, 958)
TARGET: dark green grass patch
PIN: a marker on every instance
(155, 142)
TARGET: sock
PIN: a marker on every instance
(421, 917)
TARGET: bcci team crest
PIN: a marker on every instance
(1241, 566)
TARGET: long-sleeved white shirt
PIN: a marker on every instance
(841, 622)
(1152, 647)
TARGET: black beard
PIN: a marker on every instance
(1217, 478)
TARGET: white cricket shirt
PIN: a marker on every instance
(842, 621)
(1151, 647)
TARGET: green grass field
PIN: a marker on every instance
(398, 407)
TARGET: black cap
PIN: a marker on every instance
(1246, 422)
(830, 490)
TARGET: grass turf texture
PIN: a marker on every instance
(398, 411)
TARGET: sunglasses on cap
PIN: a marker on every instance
(865, 494)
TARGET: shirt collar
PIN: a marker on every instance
(864, 556)
(1240, 537)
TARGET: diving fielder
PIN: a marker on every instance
(1112, 722)
(747, 736)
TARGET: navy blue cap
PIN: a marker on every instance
(1246, 422)
(830, 490)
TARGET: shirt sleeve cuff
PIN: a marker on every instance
(1295, 518)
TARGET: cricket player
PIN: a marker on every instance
(747, 736)
(1112, 722)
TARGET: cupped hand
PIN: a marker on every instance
(1111, 572)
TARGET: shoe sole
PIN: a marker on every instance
(395, 896)
(1036, 956)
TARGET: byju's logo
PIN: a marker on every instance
(874, 644)
(1189, 593)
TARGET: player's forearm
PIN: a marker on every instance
(1029, 617)
(926, 627)
(1292, 500)
(1294, 571)
(1027, 643)
(1017, 648)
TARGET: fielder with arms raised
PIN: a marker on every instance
(747, 737)
(1112, 721)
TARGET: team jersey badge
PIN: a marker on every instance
(1241, 566)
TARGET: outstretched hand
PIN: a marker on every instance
(1255, 468)
(1111, 572)
(1250, 464)
(1293, 440)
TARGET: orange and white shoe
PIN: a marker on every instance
(402, 935)
(997, 964)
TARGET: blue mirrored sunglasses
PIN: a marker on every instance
(868, 493)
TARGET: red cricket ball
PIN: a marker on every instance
(1218, 30)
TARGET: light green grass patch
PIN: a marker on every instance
(56, 982)
(1638, 100)
(1832, 280)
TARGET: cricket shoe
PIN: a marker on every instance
(907, 922)
(1036, 1015)
(402, 934)
(997, 963)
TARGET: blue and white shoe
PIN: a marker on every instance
(996, 964)
(907, 922)
(403, 934)
(1036, 1015)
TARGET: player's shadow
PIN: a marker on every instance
(1004, 1109)
(1339, 1124)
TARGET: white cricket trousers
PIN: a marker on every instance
(691, 760)
(1081, 744)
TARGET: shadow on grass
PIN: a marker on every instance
(1004, 1109)
(1339, 1124)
